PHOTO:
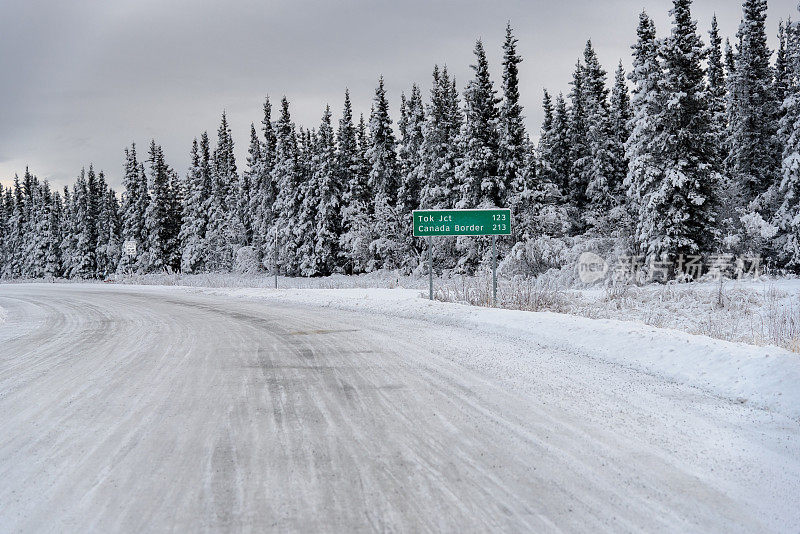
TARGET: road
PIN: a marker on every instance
(154, 409)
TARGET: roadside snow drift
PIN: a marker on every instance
(767, 377)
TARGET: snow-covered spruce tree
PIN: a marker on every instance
(728, 194)
(109, 246)
(381, 154)
(561, 149)
(680, 216)
(286, 175)
(246, 185)
(328, 193)
(513, 149)
(3, 230)
(13, 236)
(86, 202)
(717, 92)
(264, 190)
(384, 181)
(111, 228)
(259, 205)
(478, 172)
(193, 229)
(224, 232)
(619, 117)
(53, 262)
(349, 166)
(599, 170)
(781, 65)
(306, 217)
(69, 227)
(580, 153)
(409, 152)
(34, 239)
(439, 146)
(251, 186)
(357, 234)
(545, 139)
(102, 267)
(645, 169)
(410, 160)
(787, 217)
(157, 215)
(754, 155)
(548, 214)
(440, 188)
(135, 200)
(730, 59)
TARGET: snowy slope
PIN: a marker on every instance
(767, 377)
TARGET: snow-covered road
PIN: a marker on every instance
(140, 409)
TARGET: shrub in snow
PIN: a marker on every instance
(246, 261)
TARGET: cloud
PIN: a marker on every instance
(86, 79)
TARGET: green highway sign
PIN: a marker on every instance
(496, 221)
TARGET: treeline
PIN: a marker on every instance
(702, 155)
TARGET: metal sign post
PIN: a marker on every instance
(494, 270)
(430, 269)
(492, 221)
(275, 258)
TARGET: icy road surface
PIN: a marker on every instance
(141, 409)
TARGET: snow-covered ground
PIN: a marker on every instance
(767, 377)
(376, 407)
(758, 312)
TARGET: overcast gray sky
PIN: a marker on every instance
(81, 80)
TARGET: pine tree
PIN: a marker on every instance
(680, 215)
(787, 217)
(134, 206)
(439, 188)
(717, 92)
(264, 189)
(82, 263)
(599, 170)
(109, 248)
(619, 131)
(781, 65)
(4, 215)
(546, 169)
(513, 149)
(381, 154)
(645, 170)
(478, 172)
(193, 230)
(69, 242)
(287, 203)
(410, 154)
(356, 235)
(157, 214)
(225, 232)
(13, 231)
(108, 229)
(580, 152)
(53, 263)
(754, 155)
(561, 148)
(328, 193)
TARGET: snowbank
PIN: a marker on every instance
(767, 377)
(3, 315)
